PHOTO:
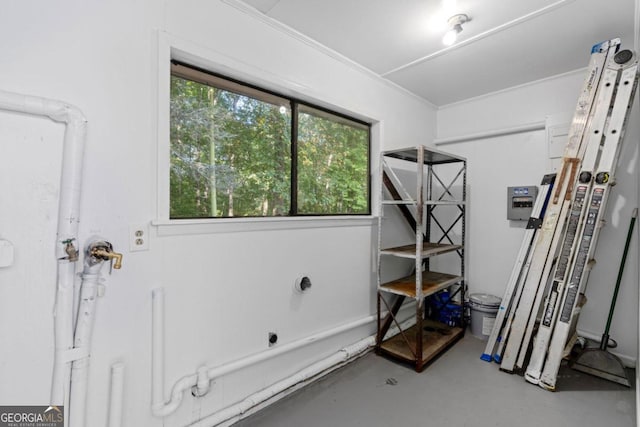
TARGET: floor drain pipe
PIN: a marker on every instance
(67, 231)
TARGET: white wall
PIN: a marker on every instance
(225, 290)
(521, 159)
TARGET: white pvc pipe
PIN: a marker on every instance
(80, 367)
(82, 343)
(220, 371)
(63, 330)
(160, 407)
(68, 218)
(116, 395)
(527, 127)
(157, 351)
(235, 412)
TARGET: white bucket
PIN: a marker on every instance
(484, 308)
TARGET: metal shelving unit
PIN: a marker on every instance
(435, 210)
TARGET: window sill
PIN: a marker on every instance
(177, 227)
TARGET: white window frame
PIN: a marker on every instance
(171, 48)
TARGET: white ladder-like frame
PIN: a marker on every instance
(628, 82)
(553, 224)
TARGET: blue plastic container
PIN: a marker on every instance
(445, 311)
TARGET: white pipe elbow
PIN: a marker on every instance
(60, 111)
(71, 115)
(203, 382)
(56, 110)
(162, 409)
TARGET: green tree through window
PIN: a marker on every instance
(332, 164)
(231, 153)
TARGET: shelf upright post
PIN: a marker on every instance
(419, 244)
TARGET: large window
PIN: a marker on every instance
(239, 151)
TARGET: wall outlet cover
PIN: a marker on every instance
(139, 237)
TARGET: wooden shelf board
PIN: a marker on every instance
(428, 249)
(437, 338)
(432, 282)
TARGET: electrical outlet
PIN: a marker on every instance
(139, 237)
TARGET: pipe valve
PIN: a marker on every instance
(70, 250)
(103, 251)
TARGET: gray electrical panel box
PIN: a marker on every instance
(520, 202)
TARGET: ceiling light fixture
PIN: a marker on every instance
(455, 27)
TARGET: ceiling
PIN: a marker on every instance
(505, 44)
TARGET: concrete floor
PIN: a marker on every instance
(457, 389)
